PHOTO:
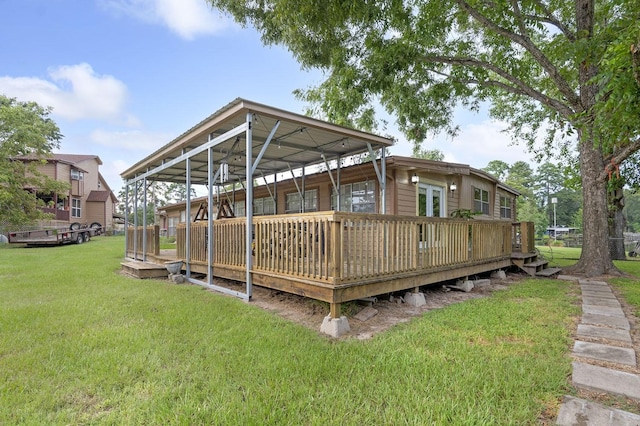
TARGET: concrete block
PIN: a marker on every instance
(597, 301)
(465, 286)
(576, 411)
(606, 320)
(415, 299)
(596, 288)
(600, 379)
(596, 332)
(335, 327)
(602, 310)
(600, 283)
(607, 353)
(366, 313)
(600, 294)
(499, 275)
(482, 283)
(176, 278)
(567, 278)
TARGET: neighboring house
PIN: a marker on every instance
(89, 199)
(415, 187)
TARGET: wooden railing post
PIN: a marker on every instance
(336, 249)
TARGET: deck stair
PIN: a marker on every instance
(144, 270)
(533, 265)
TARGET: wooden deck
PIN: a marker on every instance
(337, 257)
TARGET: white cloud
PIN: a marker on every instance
(475, 145)
(187, 18)
(478, 144)
(75, 92)
(134, 140)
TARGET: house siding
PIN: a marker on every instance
(401, 197)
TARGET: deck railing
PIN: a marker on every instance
(57, 214)
(523, 237)
(137, 235)
(340, 247)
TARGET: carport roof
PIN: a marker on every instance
(298, 141)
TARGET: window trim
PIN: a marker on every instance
(77, 174)
(481, 201)
(76, 211)
(504, 208)
(370, 183)
(313, 199)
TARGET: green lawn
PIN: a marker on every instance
(629, 286)
(81, 344)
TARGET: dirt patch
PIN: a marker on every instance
(391, 309)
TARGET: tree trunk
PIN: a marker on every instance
(617, 221)
(595, 259)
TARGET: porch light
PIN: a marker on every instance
(415, 178)
(453, 187)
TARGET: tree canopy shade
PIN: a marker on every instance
(26, 131)
(555, 70)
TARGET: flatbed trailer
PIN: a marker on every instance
(55, 236)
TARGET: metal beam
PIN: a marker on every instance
(264, 147)
(188, 154)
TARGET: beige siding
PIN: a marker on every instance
(401, 192)
(64, 172)
(95, 212)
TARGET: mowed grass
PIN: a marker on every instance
(629, 285)
(82, 344)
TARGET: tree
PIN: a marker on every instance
(26, 132)
(428, 154)
(497, 168)
(552, 68)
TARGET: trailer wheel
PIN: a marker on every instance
(632, 254)
(96, 228)
(86, 237)
(79, 238)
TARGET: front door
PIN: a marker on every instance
(431, 200)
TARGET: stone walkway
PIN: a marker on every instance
(604, 356)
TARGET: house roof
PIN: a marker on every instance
(99, 196)
(75, 158)
(71, 159)
(298, 141)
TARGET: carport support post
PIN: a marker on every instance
(249, 203)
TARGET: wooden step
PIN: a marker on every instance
(536, 264)
(519, 255)
(144, 270)
(548, 272)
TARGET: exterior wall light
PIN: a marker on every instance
(415, 178)
(453, 187)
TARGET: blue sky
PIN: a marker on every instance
(124, 77)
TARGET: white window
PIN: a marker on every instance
(238, 210)
(480, 201)
(505, 207)
(431, 200)
(76, 211)
(359, 197)
(262, 206)
(76, 174)
(293, 204)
